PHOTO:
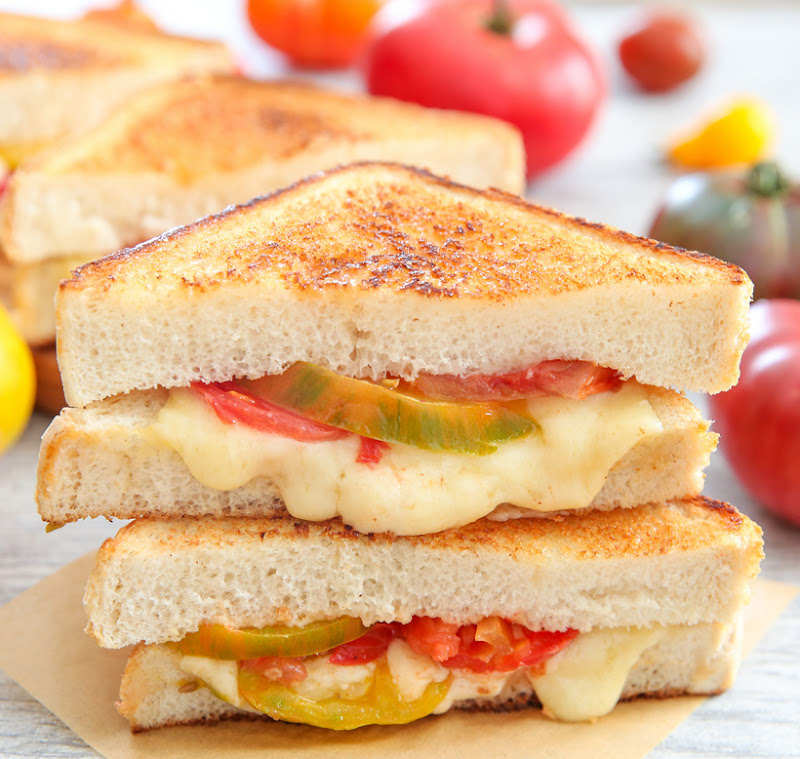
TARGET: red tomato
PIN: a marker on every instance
(759, 419)
(371, 451)
(315, 33)
(530, 69)
(662, 50)
(232, 404)
(565, 379)
(370, 646)
(433, 637)
(493, 645)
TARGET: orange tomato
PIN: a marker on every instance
(313, 33)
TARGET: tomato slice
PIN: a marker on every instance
(220, 642)
(368, 647)
(371, 451)
(381, 413)
(232, 405)
(493, 645)
(382, 705)
(558, 378)
(432, 637)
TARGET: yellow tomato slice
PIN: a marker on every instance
(382, 705)
(221, 642)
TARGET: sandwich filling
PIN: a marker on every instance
(411, 460)
(393, 673)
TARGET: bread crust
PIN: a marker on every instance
(462, 251)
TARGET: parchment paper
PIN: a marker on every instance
(43, 647)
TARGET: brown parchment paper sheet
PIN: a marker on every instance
(43, 647)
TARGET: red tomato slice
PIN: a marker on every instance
(433, 637)
(233, 405)
(370, 646)
(282, 669)
(560, 378)
(371, 451)
(493, 645)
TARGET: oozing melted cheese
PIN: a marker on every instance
(586, 679)
(582, 682)
(413, 491)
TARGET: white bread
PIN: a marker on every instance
(61, 77)
(682, 563)
(30, 292)
(690, 659)
(102, 461)
(376, 270)
(187, 149)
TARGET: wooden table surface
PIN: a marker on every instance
(615, 177)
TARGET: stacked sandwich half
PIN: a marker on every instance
(395, 446)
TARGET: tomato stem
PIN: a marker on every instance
(501, 20)
(767, 179)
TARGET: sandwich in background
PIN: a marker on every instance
(389, 347)
(187, 149)
(60, 77)
(244, 617)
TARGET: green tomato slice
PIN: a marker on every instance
(220, 642)
(379, 412)
(382, 704)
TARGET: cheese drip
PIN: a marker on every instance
(413, 491)
(585, 680)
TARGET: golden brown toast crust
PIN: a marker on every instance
(29, 44)
(592, 535)
(402, 230)
(204, 125)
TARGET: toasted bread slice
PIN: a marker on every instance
(187, 149)
(58, 77)
(678, 563)
(686, 659)
(108, 460)
(379, 269)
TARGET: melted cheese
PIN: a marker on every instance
(221, 677)
(586, 679)
(333, 681)
(582, 682)
(412, 672)
(413, 491)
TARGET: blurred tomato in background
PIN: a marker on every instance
(749, 217)
(759, 419)
(518, 60)
(313, 33)
(662, 49)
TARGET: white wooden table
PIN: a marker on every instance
(615, 177)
